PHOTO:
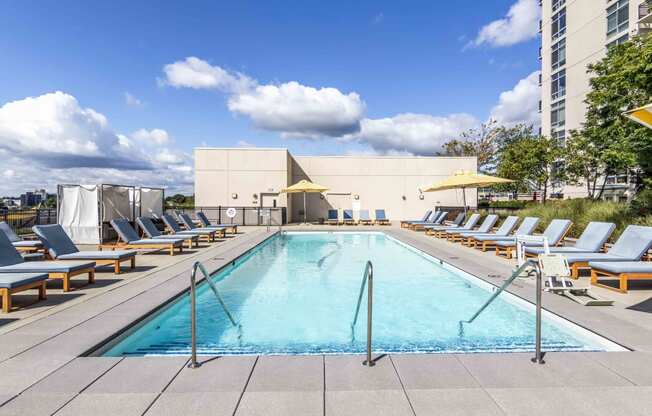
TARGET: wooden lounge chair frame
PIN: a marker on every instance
(623, 279)
(65, 276)
(5, 293)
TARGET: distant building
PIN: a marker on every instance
(30, 199)
(574, 34)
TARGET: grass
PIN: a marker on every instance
(583, 211)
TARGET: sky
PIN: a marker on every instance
(122, 91)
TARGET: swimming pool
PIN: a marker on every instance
(296, 294)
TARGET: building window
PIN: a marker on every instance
(618, 41)
(559, 54)
(559, 24)
(558, 121)
(556, 4)
(558, 81)
(618, 17)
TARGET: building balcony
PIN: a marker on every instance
(644, 24)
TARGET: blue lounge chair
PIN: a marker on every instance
(128, 238)
(190, 226)
(381, 218)
(173, 226)
(12, 262)
(333, 217)
(364, 217)
(631, 246)
(456, 235)
(406, 223)
(505, 229)
(436, 219)
(203, 219)
(621, 270)
(591, 241)
(554, 232)
(11, 283)
(61, 247)
(27, 246)
(527, 227)
(440, 230)
(348, 217)
(151, 231)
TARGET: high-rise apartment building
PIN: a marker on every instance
(575, 33)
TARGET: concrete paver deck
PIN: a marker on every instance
(41, 371)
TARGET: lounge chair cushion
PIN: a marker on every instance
(595, 235)
(146, 241)
(99, 255)
(512, 243)
(555, 231)
(380, 215)
(8, 253)
(9, 232)
(124, 230)
(47, 267)
(179, 237)
(494, 237)
(148, 227)
(633, 243)
(364, 215)
(27, 243)
(622, 266)
(55, 239)
(559, 250)
(586, 257)
(528, 225)
(12, 280)
(171, 223)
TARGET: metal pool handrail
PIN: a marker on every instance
(193, 308)
(537, 270)
(368, 275)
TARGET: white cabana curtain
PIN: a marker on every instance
(149, 202)
(116, 202)
(78, 213)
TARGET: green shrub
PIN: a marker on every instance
(514, 204)
(583, 211)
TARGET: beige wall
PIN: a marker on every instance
(219, 173)
(379, 182)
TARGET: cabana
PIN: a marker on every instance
(85, 211)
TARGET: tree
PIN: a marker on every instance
(609, 143)
(486, 143)
(532, 162)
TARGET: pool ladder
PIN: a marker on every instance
(538, 358)
(193, 309)
(368, 276)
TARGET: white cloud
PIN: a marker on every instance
(297, 110)
(51, 139)
(132, 101)
(289, 108)
(244, 143)
(199, 74)
(520, 104)
(156, 136)
(520, 24)
(420, 134)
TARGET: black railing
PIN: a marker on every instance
(243, 215)
(23, 219)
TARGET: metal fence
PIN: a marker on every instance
(23, 219)
(243, 215)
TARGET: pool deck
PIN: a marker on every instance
(42, 373)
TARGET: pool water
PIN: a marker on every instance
(296, 294)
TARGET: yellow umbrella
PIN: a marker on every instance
(304, 187)
(465, 179)
(641, 115)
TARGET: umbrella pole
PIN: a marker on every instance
(464, 200)
(305, 214)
